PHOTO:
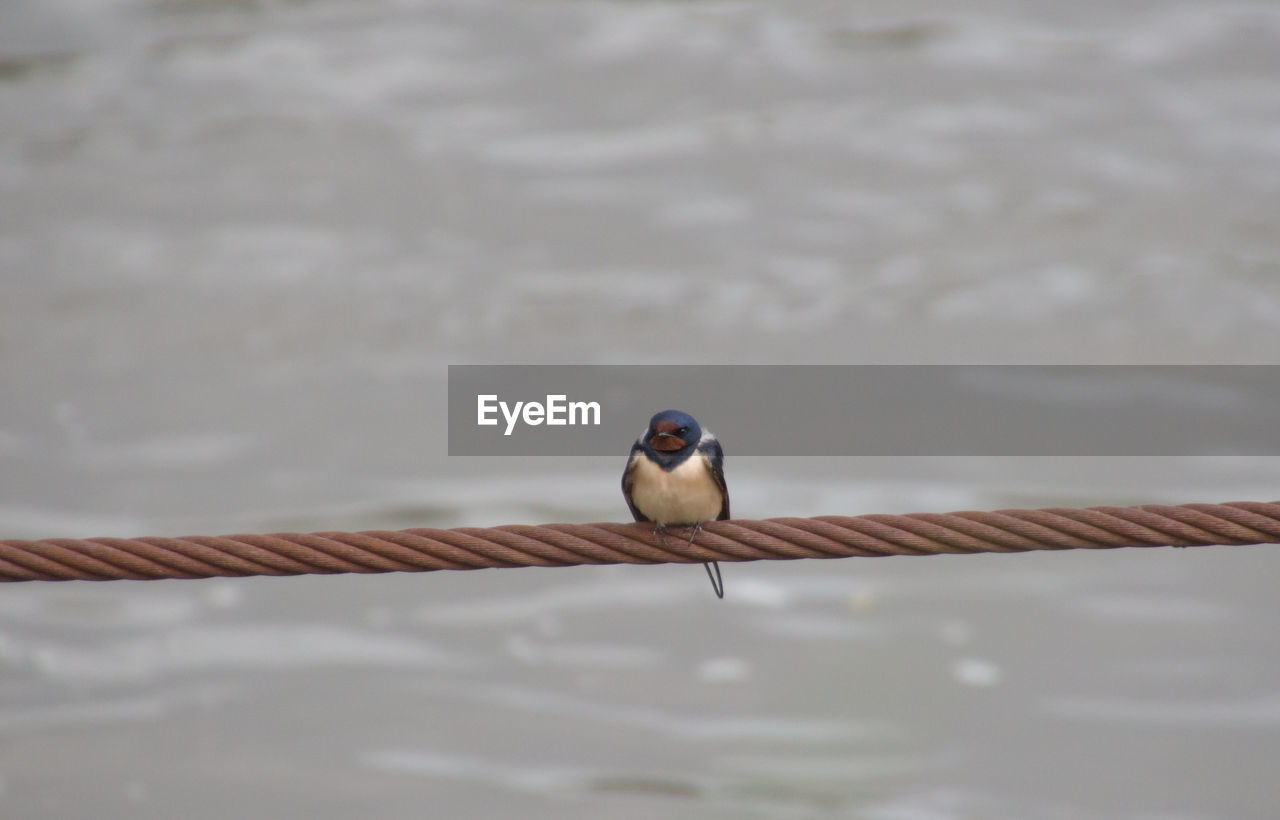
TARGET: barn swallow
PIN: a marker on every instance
(675, 477)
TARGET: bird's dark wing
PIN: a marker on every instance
(628, 479)
(715, 459)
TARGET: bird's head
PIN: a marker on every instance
(672, 431)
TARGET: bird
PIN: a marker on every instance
(675, 477)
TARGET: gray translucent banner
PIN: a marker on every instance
(870, 410)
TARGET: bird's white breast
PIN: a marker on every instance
(685, 495)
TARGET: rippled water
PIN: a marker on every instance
(240, 242)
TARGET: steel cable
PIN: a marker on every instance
(560, 545)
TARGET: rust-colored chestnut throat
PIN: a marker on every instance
(664, 437)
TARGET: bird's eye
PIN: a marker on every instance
(682, 431)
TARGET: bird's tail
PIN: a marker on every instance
(717, 583)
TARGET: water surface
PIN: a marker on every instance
(240, 243)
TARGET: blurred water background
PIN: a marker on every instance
(240, 242)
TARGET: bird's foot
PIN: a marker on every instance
(712, 567)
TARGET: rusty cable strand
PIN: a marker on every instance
(562, 545)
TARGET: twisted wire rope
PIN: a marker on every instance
(558, 545)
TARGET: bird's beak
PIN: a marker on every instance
(666, 442)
